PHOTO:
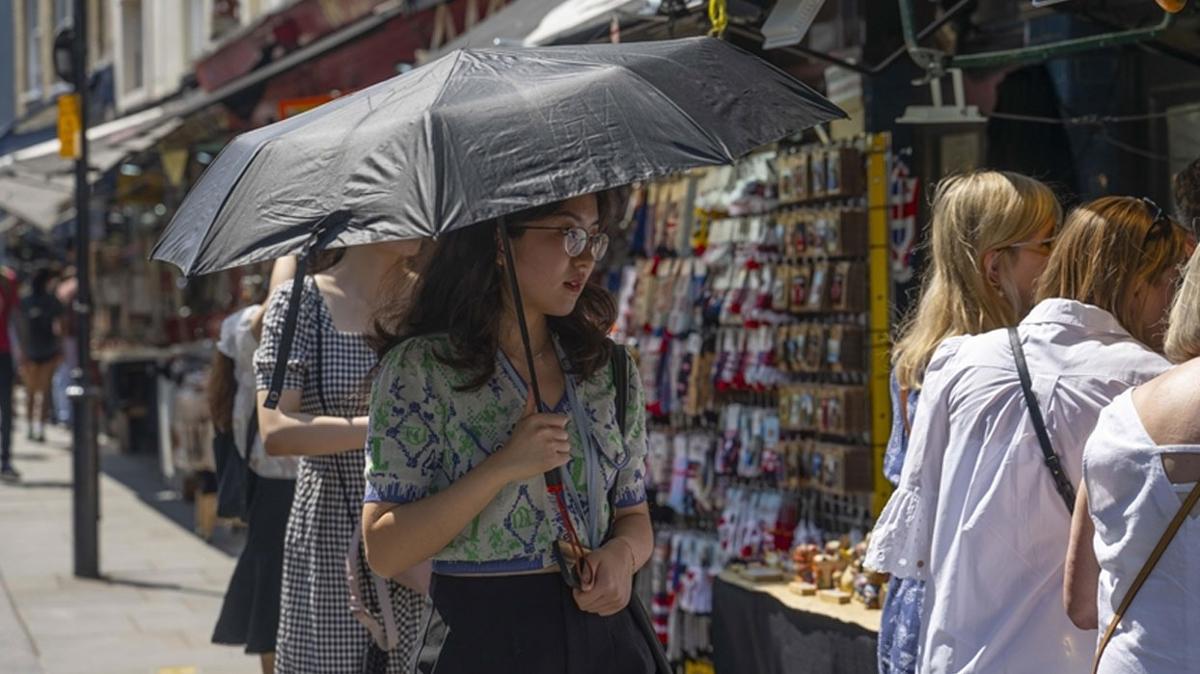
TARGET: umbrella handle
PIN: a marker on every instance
(553, 478)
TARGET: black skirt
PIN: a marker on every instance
(250, 613)
(531, 625)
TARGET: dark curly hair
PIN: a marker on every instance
(461, 292)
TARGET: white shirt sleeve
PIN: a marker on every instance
(227, 341)
(900, 543)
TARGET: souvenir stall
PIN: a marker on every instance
(153, 329)
(757, 300)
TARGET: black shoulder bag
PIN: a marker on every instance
(1053, 463)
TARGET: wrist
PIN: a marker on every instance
(625, 549)
(497, 469)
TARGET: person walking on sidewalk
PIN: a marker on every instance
(991, 234)
(1140, 463)
(9, 300)
(66, 291)
(979, 515)
(40, 332)
(458, 450)
(321, 418)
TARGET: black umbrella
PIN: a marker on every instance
(477, 135)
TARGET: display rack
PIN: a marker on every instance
(757, 299)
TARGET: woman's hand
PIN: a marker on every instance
(612, 579)
(539, 443)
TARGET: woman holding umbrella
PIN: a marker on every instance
(321, 418)
(457, 449)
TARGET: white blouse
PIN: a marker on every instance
(976, 514)
(237, 343)
(1132, 501)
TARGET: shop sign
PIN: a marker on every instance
(68, 126)
(290, 107)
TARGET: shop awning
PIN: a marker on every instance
(37, 185)
(539, 22)
(574, 16)
(38, 201)
(509, 26)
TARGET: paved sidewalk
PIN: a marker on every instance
(152, 613)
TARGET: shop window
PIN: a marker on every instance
(63, 12)
(195, 28)
(226, 17)
(33, 51)
(132, 48)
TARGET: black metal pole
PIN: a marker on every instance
(86, 495)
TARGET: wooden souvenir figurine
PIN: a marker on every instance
(825, 567)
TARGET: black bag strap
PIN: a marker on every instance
(1053, 463)
(619, 364)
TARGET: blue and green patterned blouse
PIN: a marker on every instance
(424, 435)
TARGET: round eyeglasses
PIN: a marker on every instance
(577, 239)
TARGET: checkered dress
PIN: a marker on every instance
(317, 632)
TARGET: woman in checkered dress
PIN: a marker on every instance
(321, 417)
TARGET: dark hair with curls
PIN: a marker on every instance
(461, 294)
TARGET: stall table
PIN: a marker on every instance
(765, 628)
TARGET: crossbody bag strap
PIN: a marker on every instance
(386, 636)
(1151, 562)
(1053, 463)
(620, 374)
(619, 364)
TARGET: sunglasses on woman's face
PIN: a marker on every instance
(1041, 246)
(577, 239)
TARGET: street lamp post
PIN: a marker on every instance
(71, 62)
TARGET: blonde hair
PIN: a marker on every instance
(1183, 331)
(1110, 248)
(972, 214)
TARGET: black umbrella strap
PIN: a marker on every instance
(288, 334)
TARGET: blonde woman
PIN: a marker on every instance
(1140, 463)
(978, 514)
(990, 236)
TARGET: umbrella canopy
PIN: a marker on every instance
(481, 133)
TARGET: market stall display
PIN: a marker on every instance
(757, 300)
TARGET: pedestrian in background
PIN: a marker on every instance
(65, 292)
(9, 300)
(321, 418)
(978, 514)
(458, 450)
(1187, 196)
(250, 613)
(40, 334)
(1142, 460)
(991, 233)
